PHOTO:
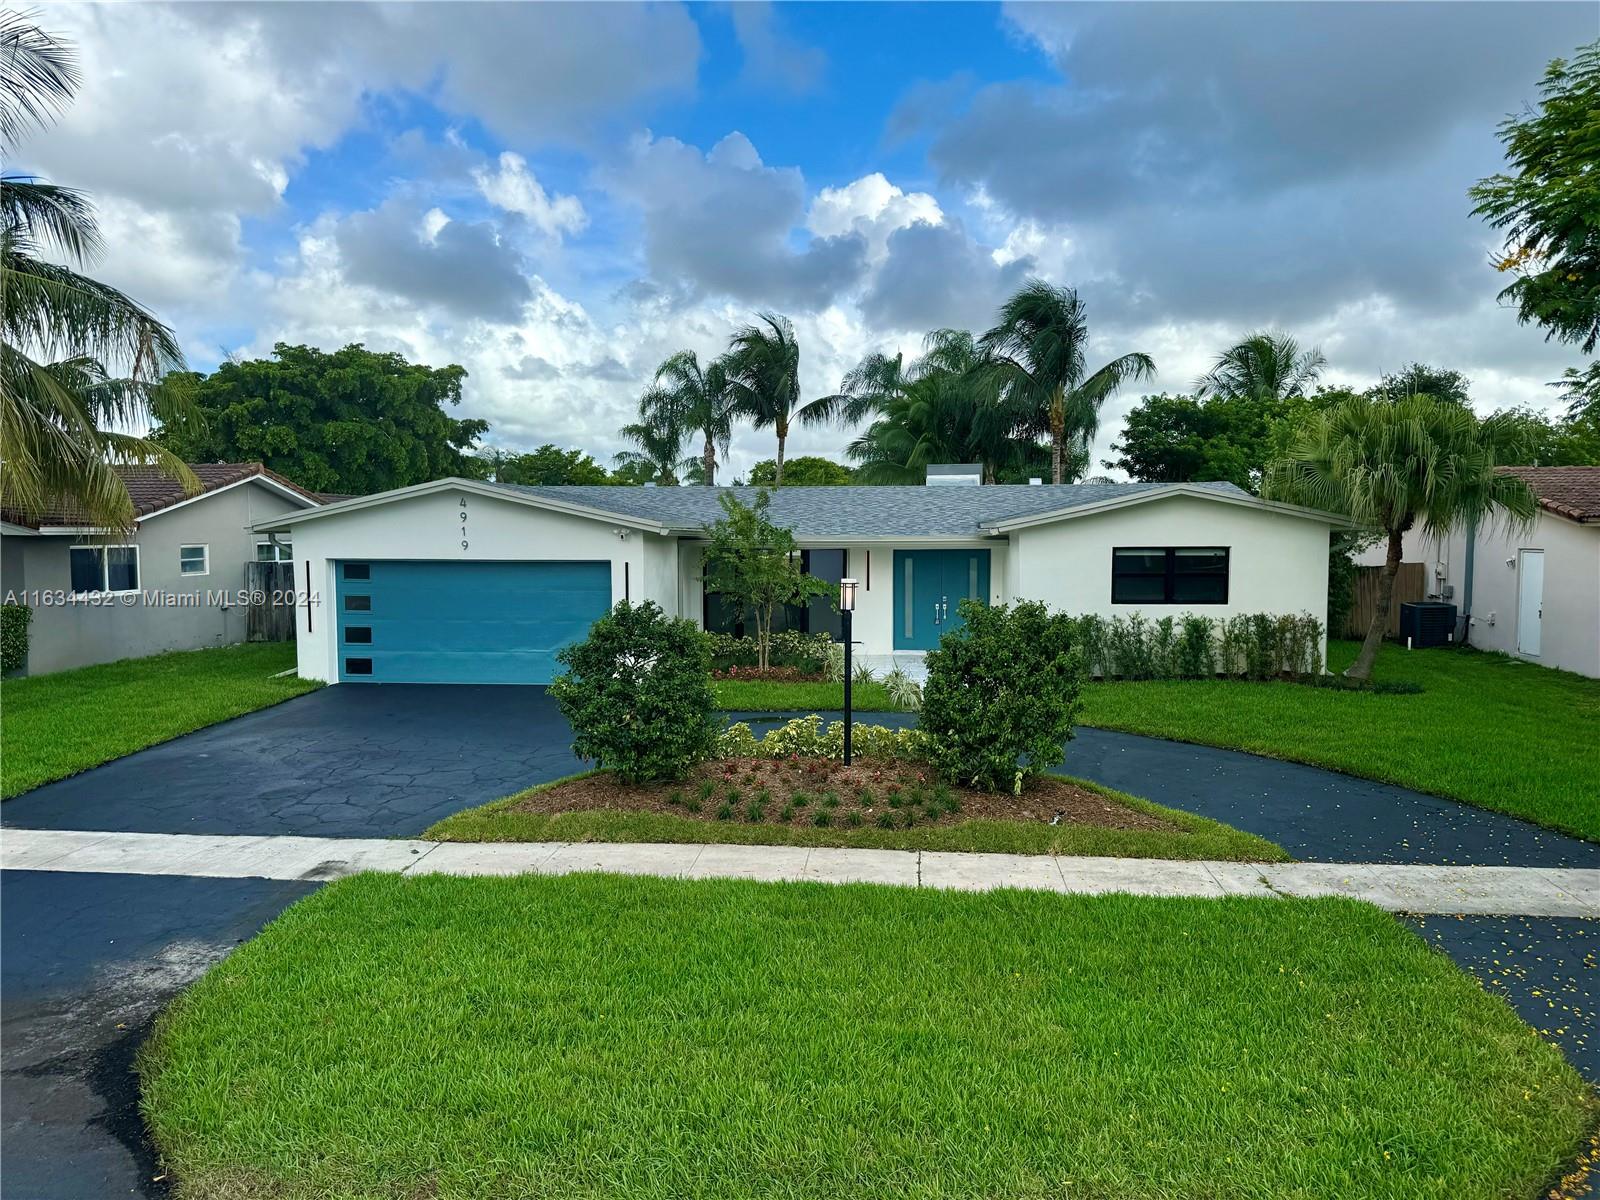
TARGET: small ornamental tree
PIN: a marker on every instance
(755, 564)
(1002, 695)
(637, 692)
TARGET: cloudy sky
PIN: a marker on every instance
(558, 196)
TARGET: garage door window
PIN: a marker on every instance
(358, 604)
(358, 666)
(358, 570)
(358, 635)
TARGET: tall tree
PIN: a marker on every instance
(763, 364)
(1439, 382)
(1037, 351)
(1263, 366)
(80, 362)
(354, 421)
(944, 408)
(1549, 206)
(806, 471)
(1392, 465)
(687, 397)
(548, 465)
(657, 452)
(1179, 439)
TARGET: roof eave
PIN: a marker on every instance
(1168, 492)
(475, 487)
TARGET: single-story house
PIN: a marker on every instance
(1532, 593)
(174, 584)
(460, 581)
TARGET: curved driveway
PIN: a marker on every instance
(88, 959)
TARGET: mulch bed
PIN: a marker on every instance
(882, 794)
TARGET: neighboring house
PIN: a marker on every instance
(171, 585)
(1533, 593)
(467, 582)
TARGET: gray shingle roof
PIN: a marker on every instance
(842, 512)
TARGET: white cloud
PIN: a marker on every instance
(513, 188)
(872, 207)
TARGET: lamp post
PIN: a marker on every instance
(847, 608)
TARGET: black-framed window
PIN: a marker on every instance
(819, 615)
(358, 635)
(1169, 575)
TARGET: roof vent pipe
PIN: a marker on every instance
(1035, 481)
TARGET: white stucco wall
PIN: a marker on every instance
(1277, 563)
(1570, 630)
(429, 527)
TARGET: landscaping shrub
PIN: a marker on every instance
(1001, 695)
(805, 737)
(904, 692)
(14, 621)
(1252, 646)
(638, 694)
(806, 653)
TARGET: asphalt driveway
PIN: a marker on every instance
(349, 761)
(89, 959)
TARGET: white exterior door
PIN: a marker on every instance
(1530, 600)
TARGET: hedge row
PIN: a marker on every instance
(14, 619)
(1248, 646)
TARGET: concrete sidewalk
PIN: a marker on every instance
(1524, 891)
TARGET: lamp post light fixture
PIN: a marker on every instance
(847, 608)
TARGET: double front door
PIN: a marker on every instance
(929, 585)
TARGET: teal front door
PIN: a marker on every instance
(928, 587)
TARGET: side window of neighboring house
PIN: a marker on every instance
(268, 552)
(104, 568)
(194, 560)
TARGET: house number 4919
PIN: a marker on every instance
(463, 501)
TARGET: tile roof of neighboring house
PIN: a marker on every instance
(1567, 491)
(811, 512)
(152, 491)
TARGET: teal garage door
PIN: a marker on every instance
(463, 622)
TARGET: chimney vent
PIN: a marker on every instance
(955, 474)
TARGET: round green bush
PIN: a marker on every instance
(1002, 695)
(637, 693)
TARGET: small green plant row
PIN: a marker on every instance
(1248, 646)
(806, 737)
(905, 806)
(806, 652)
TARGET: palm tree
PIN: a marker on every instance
(944, 408)
(1394, 464)
(763, 364)
(80, 363)
(685, 396)
(1264, 366)
(657, 453)
(868, 387)
(1037, 350)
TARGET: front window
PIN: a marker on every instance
(104, 568)
(816, 616)
(194, 560)
(1169, 575)
(274, 551)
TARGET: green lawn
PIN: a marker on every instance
(1487, 729)
(52, 726)
(758, 695)
(605, 1036)
(1195, 837)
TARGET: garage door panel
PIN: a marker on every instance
(455, 622)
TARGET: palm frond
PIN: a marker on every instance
(38, 76)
